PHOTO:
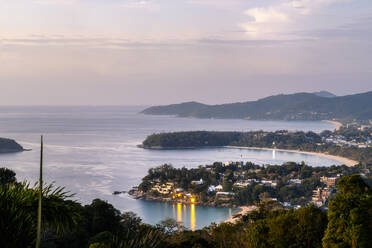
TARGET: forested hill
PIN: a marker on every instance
(9, 145)
(299, 106)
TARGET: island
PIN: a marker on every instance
(351, 144)
(299, 106)
(10, 146)
(234, 184)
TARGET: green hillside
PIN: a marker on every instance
(299, 106)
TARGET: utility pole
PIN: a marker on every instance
(40, 195)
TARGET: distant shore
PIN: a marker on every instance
(336, 123)
(345, 161)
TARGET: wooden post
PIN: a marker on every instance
(40, 195)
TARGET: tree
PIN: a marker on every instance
(350, 215)
(101, 216)
(18, 208)
(311, 224)
(7, 176)
(168, 226)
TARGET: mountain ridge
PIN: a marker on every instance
(298, 106)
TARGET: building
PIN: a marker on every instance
(242, 184)
(320, 196)
(295, 181)
(197, 182)
(212, 188)
(219, 188)
(329, 181)
(164, 189)
(271, 183)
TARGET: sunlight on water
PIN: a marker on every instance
(192, 217)
(179, 213)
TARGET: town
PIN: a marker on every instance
(353, 134)
(238, 183)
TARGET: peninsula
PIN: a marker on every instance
(234, 184)
(9, 146)
(349, 144)
(299, 106)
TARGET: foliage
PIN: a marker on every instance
(100, 225)
(143, 239)
(7, 176)
(350, 215)
(18, 208)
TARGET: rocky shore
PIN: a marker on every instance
(146, 197)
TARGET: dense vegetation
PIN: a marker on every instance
(67, 223)
(300, 106)
(228, 175)
(9, 145)
(304, 141)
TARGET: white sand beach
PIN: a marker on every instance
(336, 123)
(243, 211)
(345, 161)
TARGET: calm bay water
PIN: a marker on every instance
(92, 151)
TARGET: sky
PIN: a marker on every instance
(149, 52)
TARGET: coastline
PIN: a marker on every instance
(336, 123)
(345, 161)
(146, 197)
(243, 211)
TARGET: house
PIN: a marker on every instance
(271, 183)
(169, 186)
(164, 189)
(219, 188)
(212, 188)
(179, 190)
(197, 182)
(329, 181)
(295, 181)
(225, 193)
(242, 184)
(320, 196)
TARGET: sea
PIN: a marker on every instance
(92, 151)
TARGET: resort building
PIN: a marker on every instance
(320, 196)
(329, 181)
(219, 187)
(197, 182)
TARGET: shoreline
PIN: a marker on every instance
(348, 162)
(243, 211)
(146, 197)
(336, 123)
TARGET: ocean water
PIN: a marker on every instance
(92, 151)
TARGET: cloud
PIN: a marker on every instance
(123, 3)
(55, 1)
(265, 15)
(282, 20)
(87, 42)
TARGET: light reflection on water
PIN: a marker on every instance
(192, 217)
(188, 210)
(179, 213)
